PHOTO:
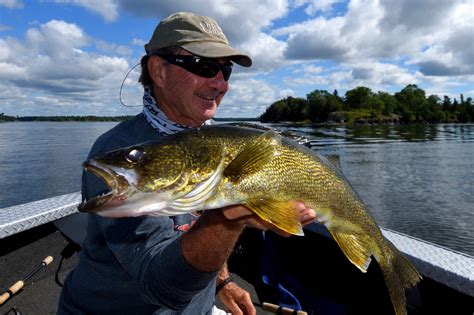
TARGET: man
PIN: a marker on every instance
(166, 265)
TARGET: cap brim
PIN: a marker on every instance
(218, 50)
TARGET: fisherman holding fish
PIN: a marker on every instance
(143, 264)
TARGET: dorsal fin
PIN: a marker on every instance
(253, 156)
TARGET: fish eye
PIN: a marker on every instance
(135, 155)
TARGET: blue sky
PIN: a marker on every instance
(69, 57)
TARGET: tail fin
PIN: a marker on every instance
(399, 274)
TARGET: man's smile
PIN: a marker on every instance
(207, 97)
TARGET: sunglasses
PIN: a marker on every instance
(203, 67)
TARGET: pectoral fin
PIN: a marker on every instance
(281, 214)
(355, 249)
(253, 156)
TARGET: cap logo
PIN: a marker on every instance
(211, 28)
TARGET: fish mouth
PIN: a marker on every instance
(118, 185)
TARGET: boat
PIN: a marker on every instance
(308, 273)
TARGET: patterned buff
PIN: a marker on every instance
(157, 118)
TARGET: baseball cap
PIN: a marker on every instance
(200, 35)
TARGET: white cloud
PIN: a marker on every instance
(51, 63)
(241, 21)
(379, 76)
(315, 39)
(385, 29)
(4, 27)
(112, 48)
(56, 39)
(346, 76)
(138, 42)
(248, 97)
(452, 51)
(266, 52)
(313, 69)
(11, 4)
(314, 6)
(107, 8)
(12, 71)
(4, 50)
(373, 38)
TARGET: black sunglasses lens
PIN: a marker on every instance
(206, 69)
(202, 67)
(210, 68)
(226, 71)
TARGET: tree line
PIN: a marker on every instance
(6, 118)
(362, 105)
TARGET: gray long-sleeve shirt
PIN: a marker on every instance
(134, 265)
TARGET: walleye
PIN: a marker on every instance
(217, 166)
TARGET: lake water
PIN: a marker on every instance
(418, 180)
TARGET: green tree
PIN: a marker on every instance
(4, 118)
(412, 101)
(336, 95)
(297, 108)
(361, 104)
(454, 106)
(275, 112)
(434, 105)
(389, 103)
(465, 111)
(320, 104)
(446, 104)
(360, 97)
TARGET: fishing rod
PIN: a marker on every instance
(279, 310)
(21, 283)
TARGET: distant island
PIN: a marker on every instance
(358, 106)
(6, 118)
(362, 106)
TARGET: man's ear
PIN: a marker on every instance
(156, 70)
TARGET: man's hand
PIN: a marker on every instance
(307, 216)
(236, 300)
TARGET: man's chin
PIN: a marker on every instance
(209, 113)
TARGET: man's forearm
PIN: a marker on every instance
(208, 244)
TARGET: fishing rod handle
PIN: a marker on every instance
(21, 283)
(11, 291)
(276, 309)
(47, 260)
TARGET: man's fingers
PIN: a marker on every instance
(307, 216)
(237, 300)
(247, 305)
(257, 223)
(234, 308)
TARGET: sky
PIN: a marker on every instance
(71, 57)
